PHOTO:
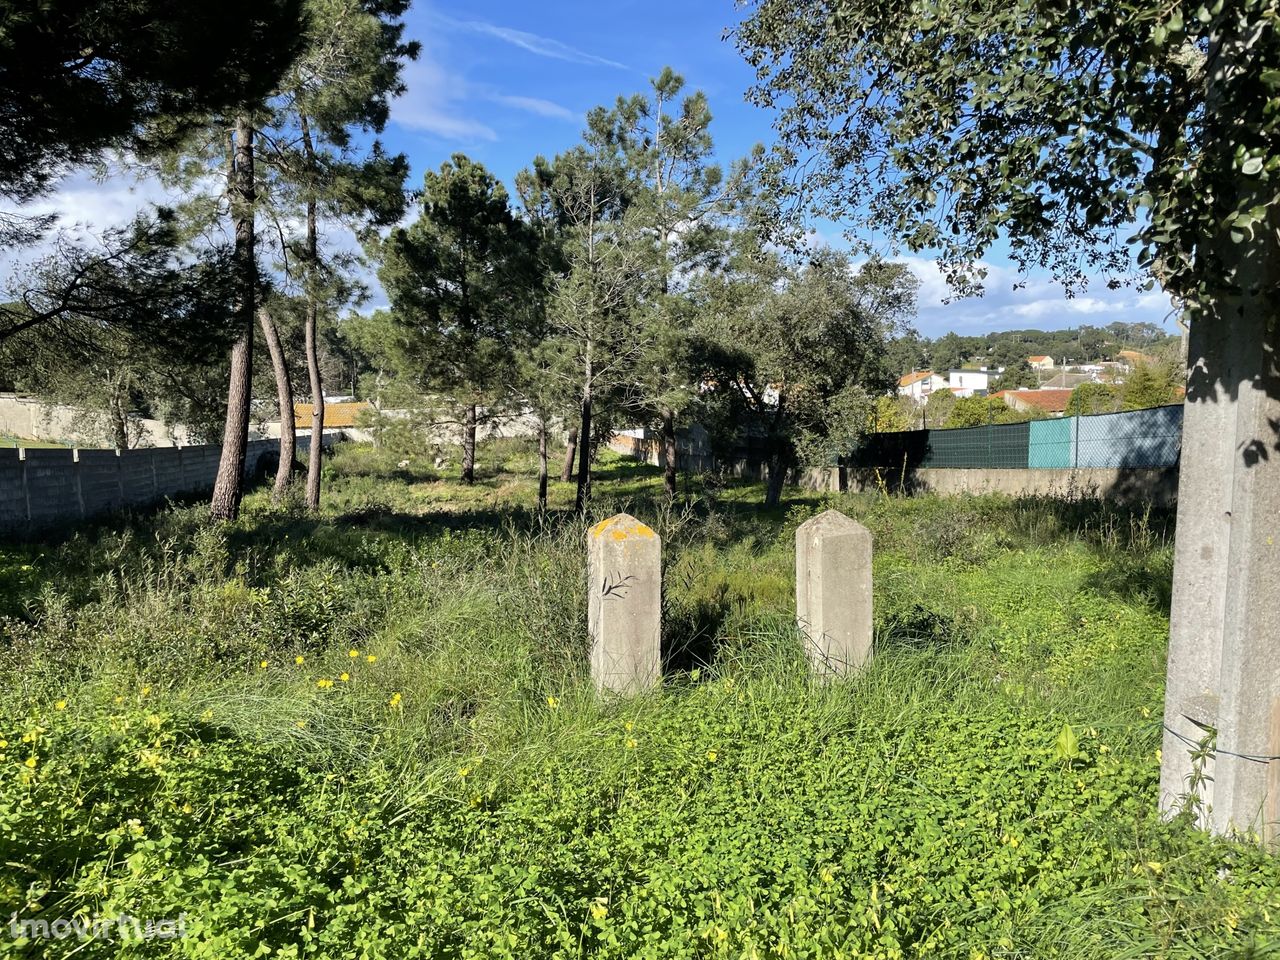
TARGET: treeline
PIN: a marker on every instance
(1006, 348)
(626, 280)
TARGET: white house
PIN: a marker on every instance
(968, 383)
(919, 384)
(1041, 363)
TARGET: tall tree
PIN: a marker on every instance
(1067, 127)
(592, 303)
(796, 352)
(228, 484)
(452, 279)
(680, 200)
(341, 84)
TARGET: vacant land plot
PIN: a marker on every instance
(370, 734)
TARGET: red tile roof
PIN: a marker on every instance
(907, 379)
(1050, 401)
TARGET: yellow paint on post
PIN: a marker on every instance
(621, 527)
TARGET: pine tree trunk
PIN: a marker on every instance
(316, 450)
(542, 465)
(583, 495)
(669, 453)
(119, 422)
(469, 445)
(566, 473)
(228, 487)
(284, 398)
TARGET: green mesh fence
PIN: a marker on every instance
(1133, 438)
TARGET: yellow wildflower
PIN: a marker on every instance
(464, 772)
(599, 910)
(60, 705)
(371, 658)
(31, 762)
(324, 683)
(631, 744)
(353, 653)
(300, 724)
(299, 659)
(344, 677)
(395, 699)
(711, 756)
(146, 690)
(3, 744)
(207, 715)
(262, 665)
(553, 702)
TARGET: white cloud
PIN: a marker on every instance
(542, 46)
(1012, 301)
(535, 105)
(430, 104)
(1048, 307)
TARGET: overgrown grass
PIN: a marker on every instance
(370, 734)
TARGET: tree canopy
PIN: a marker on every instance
(1063, 126)
(80, 75)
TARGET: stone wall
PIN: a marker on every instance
(40, 488)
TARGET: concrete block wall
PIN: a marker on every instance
(42, 488)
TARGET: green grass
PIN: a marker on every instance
(11, 442)
(461, 793)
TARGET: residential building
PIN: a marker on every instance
(1041, 363)
(919, 384)
(971, 383)
(1052, 402)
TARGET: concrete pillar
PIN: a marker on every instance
(1223, 682)
(624, 604)
(833, 592)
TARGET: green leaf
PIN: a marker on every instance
(1067, 747)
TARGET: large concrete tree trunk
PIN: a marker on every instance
(284, 399)
(669, 453)
(566, 472)
(1224, 643)
(1222, 700)
(228, 487)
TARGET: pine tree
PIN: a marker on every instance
(457, 298)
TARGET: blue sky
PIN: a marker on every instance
(504, 81)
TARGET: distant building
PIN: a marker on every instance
(1067, 380)
(1052, 402)
(337, 416)
(1041, 363)
(970, 383)
(919, 384)
(1131, 358)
